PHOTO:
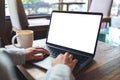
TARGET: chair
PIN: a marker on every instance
(3, 40)
(103, 6)
(20, 21)
(4, 30)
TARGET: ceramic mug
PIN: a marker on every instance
(24, 39)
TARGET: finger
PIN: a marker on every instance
(41, 50)
(38, 58)
(70, 58)
(57, 60)
(37, 47)
(66, 57)
(66, 54)
(60, 55)
(74, 62)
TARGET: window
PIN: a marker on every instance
(39, 7)
(6, 9)
(33, 7)
(81, 6)
(115, 11)
(36, 7)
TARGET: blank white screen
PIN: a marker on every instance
(76, 31)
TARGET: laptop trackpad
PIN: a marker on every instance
(45, 64)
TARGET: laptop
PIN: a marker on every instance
(73, 32)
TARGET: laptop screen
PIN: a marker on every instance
(74, 30)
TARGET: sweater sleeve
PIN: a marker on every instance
(17, 55)
(59, 72)
(6, 68)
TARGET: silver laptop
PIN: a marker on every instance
(74, 32)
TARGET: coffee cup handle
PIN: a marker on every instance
(13, 41)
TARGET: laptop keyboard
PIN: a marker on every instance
(81, 58)
(55, 52)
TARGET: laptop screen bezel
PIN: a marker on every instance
(72, 50)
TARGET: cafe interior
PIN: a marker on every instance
(35, 15)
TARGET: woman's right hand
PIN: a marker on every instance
(66, 59)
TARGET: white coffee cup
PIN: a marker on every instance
(24, 39)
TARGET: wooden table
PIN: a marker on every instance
(105, 66)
